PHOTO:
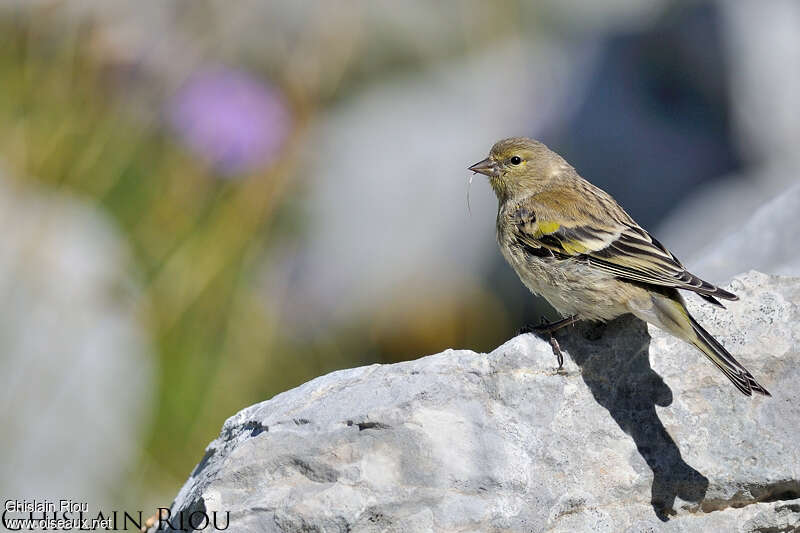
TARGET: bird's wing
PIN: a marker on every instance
(604, 237)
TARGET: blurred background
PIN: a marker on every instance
(205, 203)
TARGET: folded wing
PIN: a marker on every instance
(615, 244)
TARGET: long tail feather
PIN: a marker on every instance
(733, 369)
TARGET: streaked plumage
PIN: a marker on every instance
(571, 243)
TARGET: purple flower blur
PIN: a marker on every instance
(233, 120)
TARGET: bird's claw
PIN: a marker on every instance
(546, 329)
(543, 328)
(557, 352)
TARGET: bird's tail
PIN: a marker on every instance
(733, 369)
(667, 311)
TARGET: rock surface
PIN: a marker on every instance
(637, 433)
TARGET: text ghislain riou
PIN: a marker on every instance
(45, 506)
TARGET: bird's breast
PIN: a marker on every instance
(569, 285)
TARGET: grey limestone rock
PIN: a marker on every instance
(638, 433)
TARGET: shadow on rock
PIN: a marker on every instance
(614, 364)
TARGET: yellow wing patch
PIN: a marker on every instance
(574, 247)
(545, 228)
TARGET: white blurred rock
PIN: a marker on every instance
(722, 210)
(763, 40)
(763, 44)
(77, 370)
(462, 441)
(765, 240)
(389, 175)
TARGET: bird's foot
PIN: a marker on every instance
(546, 329)
(557, 352)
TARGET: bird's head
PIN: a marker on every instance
(518, 166)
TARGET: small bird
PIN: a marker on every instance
(570, 242)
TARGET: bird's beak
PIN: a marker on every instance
(487, 167)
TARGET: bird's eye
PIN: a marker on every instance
(516, 160)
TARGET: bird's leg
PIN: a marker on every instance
(548, 328)
(557, 352)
